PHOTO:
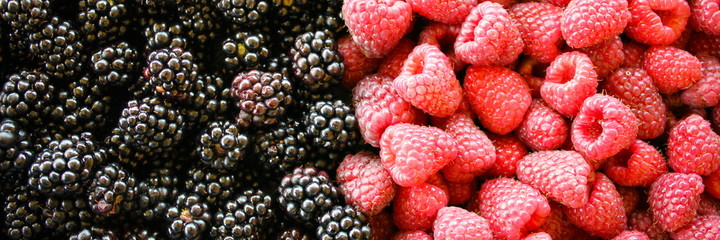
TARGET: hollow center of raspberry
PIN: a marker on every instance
(594, 129)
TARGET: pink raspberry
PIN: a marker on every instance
(631, 235)
(641, 220)
(634, 53)
(364, 182)
(674, 199)
(508, 152)
(357, 65)
(542, 128)
(703, 42)
(657, 22)
(557, 225)
(637, 165)
(712, 184)
(460, 193)
(672, 69)
(559, 3)
(428, 82)
(537, 236)
(412, 235)
(443, 36)
(606, 56)
(630, 196)
(708, 205)
(706, 91)
(604, 214)
(412, 153)
(602, 128)
(381, 225)
(534, 73)
(635, 88)
(378, 106)
(539, 25)
(450, 12)
(415, 208)
(457, 223)
(706, 16)
(560, 175)
(438, 180)
(512, 207)
(700, 228)
(476, 153)
(377, 25)
(488, 37)
(457, 174)
(693, 147)
(498, 96)
(588, 22)
(568, 81)
(392, 63)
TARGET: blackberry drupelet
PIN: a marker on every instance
(262, 98)
(16, 151)
(305, 194)
(23, 211)
(212, 186)
(171, 72)
(102, 21)
(83, 107)
(221, 145)
(64, 216)
(249, 13)
(316, 61)
(112, 191)
(156, 193)
(115, 65)
(249, 215)
(245, 50)
(209, 100)
(282, 148)
(25, 15)
(162, 35)
(343, 222)
(58, 47)
(94, 233)
(201, 21)
(27, 97)
(189, 218)
(151, 125)
(332, 125)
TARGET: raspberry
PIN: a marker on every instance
(508, 152)
(630, 197)
(537, 236)
(588, 22)
(381, 225)
(412, 153)
(559, 3)
(412, 235)
(534, 73)
(642, 221)
(604, 214)
(377, 26)
(606, 56)
(671, 69)
(458, 223)
(378, 106)
(637, 165)
(415, 208)
(512, 207)
(438, 180)
(542, 128)
(704, 16)
(364, 182)
(706, 91)
(357, 65)
(476, 153)
(392, 63)
(498, 95)
(460, 193)
(557, 226)
(634, 53)
(569, 79)
(657, 22)
(703, 42)
(539, 25)
(701, 227)
(693, 147)
(708, 205)
(428, 82)
(683, 40)
(443, 36)
(488, 37)
(712, 184)
(635, 88)
(674, 199)
(450, 12)
(631, 235)
(560, 175)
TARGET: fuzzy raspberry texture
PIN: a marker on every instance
(693, 147)
(700, 228)
(428, 82)
(450, 12)
(460, 193)
(534, 73)
(377, 25)
(631, 235)
(378, 106)
(631, 197)
(642, 220)
(542, 128)
(454, 223)
(476, 153)
(706, 91)
(637, 165)
(413, 235)
(381, 225)
(488, 37)
(357, 65)
(604, 214)
(588, 22)
(674, 199)
(635, 88)
(412, 153)
(706, 16)
(392, 63)
(606, 56)
(657, 22)
(512, 207)
(712, 184)
(539, 25)
(602, 128)
(560, 175)
(498, 96)
(365, 183)
(569, 80)
(703, 42)
(634, 53)
(415, 208)
(509, 150)
(443, 36)
(672, 69)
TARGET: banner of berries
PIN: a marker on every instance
(360, 119)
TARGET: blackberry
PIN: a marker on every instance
(157, 3)
(246, 50)
(144, 17)
(248, 13)
(23, 211)
(156, 193)
(16, 151)
(102, 21)
(343, 222)
(222, 145)
(115, 65)
(83, 107)
(94, 233)
(25, 15)
(151, 125)
(27, 98)
(200, 20)
(212, 186)
(64, 216)
(123, 153)
(332, 125)
(66, 166)
(162, 35)
(249, 215)
(209, 100)
(189, 218)
(282, 148)
(112, 190)
(171, 72)
(293, 233)
(262, 98)
(316, 61)
(140, 233)
(280, 64)
(58, 47)
(305, 194)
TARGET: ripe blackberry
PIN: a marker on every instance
(66, 166)
(123, 153)
(142, 233)
(66, 215)
(189, 218)
(162, 35)
(58, 48)
(171, 72)
(262, 98)
(343, 222)
(282, 148)
(115, 65)
(249, 215)
(25, 15)
(291, 232)
(247, 13)
(201, 21)
(305, 194)
(211, 185)
(157, 3)
(83, 107)
(156, 193)
(222, 145)
(112, 190)
(16, 151)
(332, 125)
(94, 233)
(316, 61)
(329, 18)
(151, 125)
(102, 21)
(246, 50)
(27, 98)
(209, 100)
(23, 209)
(280, 64)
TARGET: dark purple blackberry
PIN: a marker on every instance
(64, 216)
(25, 15)
(23, 211)
(112, 191)
(95, 233)
(27, 97)
(123, 153)
(157, 3)
(305, 194)
(262, 98)
(332, 125)
(221, 145)
(282, 148)
(16, 151)
(209, 100)
(171, 72)
(248, 13)
(142, 233)
(141, 88)
(245, 50)
(190, 218)
(102, 21)
(316, 62)
(58, 47)
(289, 231)
(249, 215)
(213, 186)
(201, 21)
(151, 125)
(280, 64)
(162, 35)
(143, 17)
(83, 107)
(343, 222)
(116, 65)
(156, 193)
